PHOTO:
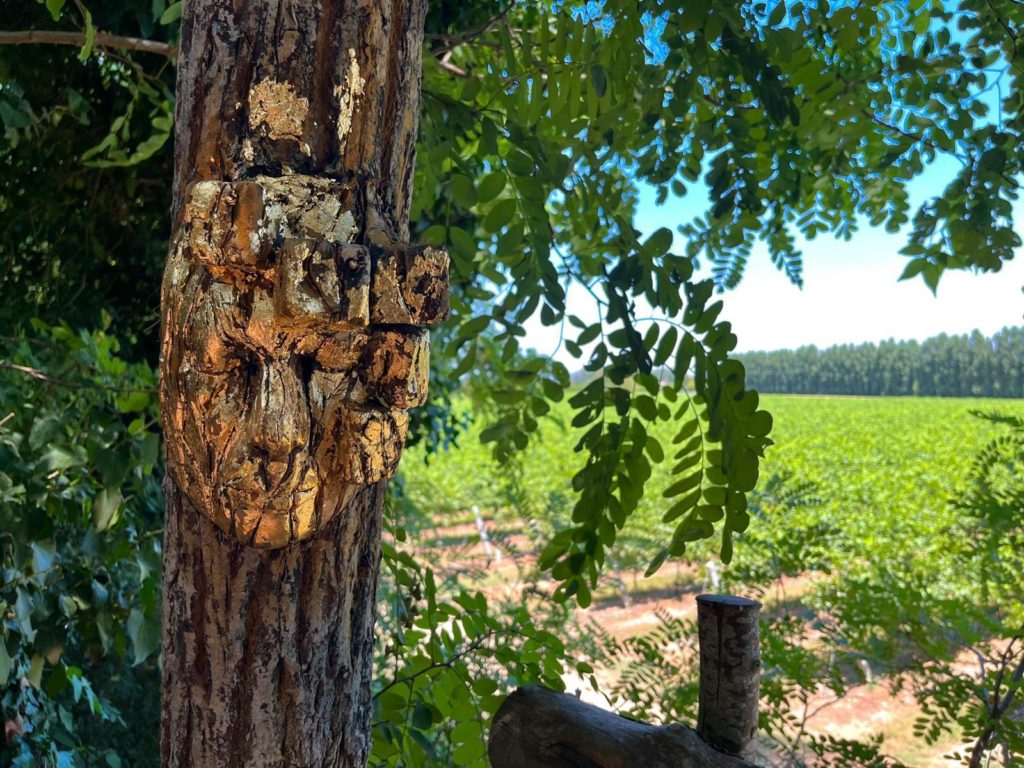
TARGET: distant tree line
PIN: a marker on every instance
(970, 365)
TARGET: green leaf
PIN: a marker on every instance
(58, 458)
(132, 402)
(144, 632)
(90, 36)
(463, 243)
(484, 686)
(469, 752)
(759, 424)
(500, 215)
(466, 363)
(55, 7)
(666, 346)
(149, 450)
(726, 553)
(422, 717)
(463, 191)
(600, 80)
(172, 14)
(44, 556)
(659, 242)
(35, 670)
(6, 662)
(646, 407)
(473, 327)
(656, 563)
(684, 356)
(44, 430)
(683, 485)
(914, 268)
(105, 508)
(519, 162)
(654, 449)
(491, 186)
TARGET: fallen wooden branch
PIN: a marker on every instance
(538, 728)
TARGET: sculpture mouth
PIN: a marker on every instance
(265, 477)
(254, 493)
(285, 513)
(270, 522)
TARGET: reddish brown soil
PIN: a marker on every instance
(866, 710)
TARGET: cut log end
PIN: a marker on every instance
(730, 668)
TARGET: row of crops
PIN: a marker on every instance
(883, 469)
(902, 517)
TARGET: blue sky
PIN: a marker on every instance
(851, 289)
(851, 292)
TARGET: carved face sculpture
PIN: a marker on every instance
(292, 356)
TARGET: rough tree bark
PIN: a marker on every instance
(292, 347)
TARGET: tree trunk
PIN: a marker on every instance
(267, 653)
(291, 351)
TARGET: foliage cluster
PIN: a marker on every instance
(946, 366)
(792, 117)
(80, 520)
(85, 171)
(447, 658)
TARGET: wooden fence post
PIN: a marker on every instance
(538, 728)
(730, 671)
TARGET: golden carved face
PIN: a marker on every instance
(292, 355)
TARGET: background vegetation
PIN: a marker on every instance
(945, 366)
(540, 123)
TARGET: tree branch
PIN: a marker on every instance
(451, 41)
(445, 63)
(35, 373)
(77, 39)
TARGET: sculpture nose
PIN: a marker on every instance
(278, 421)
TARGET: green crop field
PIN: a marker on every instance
(891, 571)
(883, 469)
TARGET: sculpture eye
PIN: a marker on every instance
(214, 339)
(221, 356)
(338, 351)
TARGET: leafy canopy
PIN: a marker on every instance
(541, 122)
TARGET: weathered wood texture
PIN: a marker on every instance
(290, 353)
(538, 728)
(325, 88)
(730, 671)
(266, 653)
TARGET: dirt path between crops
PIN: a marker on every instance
(865, 711)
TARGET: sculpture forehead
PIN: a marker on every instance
(294, 238)
(234, 223)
